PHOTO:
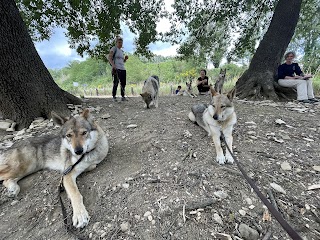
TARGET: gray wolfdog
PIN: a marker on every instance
(78, 136)
(150, 91)
(218, 116)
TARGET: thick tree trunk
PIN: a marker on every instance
(27, 89)
(258, 81)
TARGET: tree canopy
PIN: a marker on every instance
(93, 24)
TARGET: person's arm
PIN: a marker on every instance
(199, 82)
(110, 58)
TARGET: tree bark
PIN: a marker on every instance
(258, 81)
(27, 89)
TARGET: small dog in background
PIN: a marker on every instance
(79, 136)
(189, 91)
(150, 91)
(218, 116)
(218, 86)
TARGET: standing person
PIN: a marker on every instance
(202, 83)
(290, 75)
(117, 60)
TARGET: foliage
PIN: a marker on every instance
(306, 40)
(93, 73)
(93, 24)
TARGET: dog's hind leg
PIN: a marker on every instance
(192, 117)
(12, 187)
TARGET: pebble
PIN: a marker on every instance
(124, 226)
(242, 212)
(278, 188)
(132, 126)
(147, 213)
(150, 218)
(14, 202)
(286, 166)
(96, 226)
(316, 168)
(137, 217)
(249, 201)
(106, 116)
(220, 194)
(125, 185)
(218, 219)
(247, 232)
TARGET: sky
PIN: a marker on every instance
(56, 54)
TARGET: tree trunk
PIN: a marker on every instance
(258, 81)
(27, 89)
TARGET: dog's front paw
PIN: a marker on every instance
(221, 159)
(229, 158)
(80, 218)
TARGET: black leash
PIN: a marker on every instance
(63, 208)
(285, 225)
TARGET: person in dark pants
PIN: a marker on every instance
(202, 82)
(117, 60)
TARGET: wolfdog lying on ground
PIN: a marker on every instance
(79, 136)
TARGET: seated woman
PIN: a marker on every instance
(290, 75)
(202, 82)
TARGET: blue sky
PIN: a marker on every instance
(56, 54)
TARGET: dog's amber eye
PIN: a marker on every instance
(69, 135)
(84, 133)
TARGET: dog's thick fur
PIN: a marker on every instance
(219, 116)
(78, 135)
(150, 91)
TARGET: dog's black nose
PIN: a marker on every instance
(78, 150)
(215, 117)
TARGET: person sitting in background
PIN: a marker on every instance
(290, 75)
(178, 90)
(202, 83)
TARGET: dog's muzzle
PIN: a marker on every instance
(78, 150)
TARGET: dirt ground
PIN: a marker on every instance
(149, 187)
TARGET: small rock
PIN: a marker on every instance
(103, 234)
(252, 207)
(106, 116)
(125, 185)
(96, 226)
(193, 212)
(147, 213)
(285, 166)
(249, 201)
(153, 222)
(220, 194)
(242, 212)
(132, 126)
(218, 219)
(316, 168)
(278, 188)
(14, 202)
(248, 233)
(150, 218)
(50, 124)
(137, 217)
(250, 123)
(280, 122)
(4, 125)
(124, 226)
(222, 236)
(251, 133)
(284, 136)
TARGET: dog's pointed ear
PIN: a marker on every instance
(213, 92)
(58, 119)
(86, 113)
(143, 94)
(187, 83)
(232, 93)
